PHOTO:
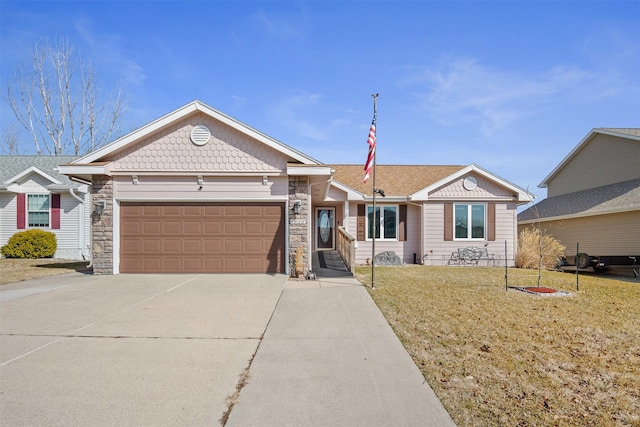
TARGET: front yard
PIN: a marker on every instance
(498, 357)
(16, 270)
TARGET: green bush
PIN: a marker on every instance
(33, 243)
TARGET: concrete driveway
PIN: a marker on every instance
(129, 349)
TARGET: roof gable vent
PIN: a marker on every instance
(200, 134)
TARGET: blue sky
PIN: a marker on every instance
(510, 86)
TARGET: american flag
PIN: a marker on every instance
(368, 167)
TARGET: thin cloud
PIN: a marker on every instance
(280, 25)
(293, 112)
(462, 91)
(106, 47)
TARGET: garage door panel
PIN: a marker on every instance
(201, 237)
(192, 246)
(172, 246)
(232, 246)
(213, 246)
(213, 264)
(233, 265)
(253, 246)
(233, 227)
(192, 227)
(193, 264)
(151, 210)
(213, 227)
(171, 227)
(168, 211)
(153, 246)
(254, 227)
(233, 211)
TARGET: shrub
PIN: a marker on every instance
(33, 243)
(532, 243)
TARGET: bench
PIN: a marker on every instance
(470, 256)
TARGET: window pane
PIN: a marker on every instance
(38, 202)
(461, 221)
(477, 221)
(390, 222)
(371, 222)
(38, 219)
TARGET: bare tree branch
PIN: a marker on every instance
(9, 142)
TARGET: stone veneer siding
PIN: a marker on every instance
(102, 225)
(299, 224)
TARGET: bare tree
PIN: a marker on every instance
(9, 141)
(57, 101)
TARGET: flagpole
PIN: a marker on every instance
(376, 222)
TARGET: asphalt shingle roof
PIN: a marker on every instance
(11, 166)
(395, 180)
(614, 197)
(625, 131)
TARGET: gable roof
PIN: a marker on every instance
(629, 133)
(618, 197)
(182, 112)
(14, 168)
(415, 181)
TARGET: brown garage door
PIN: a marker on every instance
(202, 238)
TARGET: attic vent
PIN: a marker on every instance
(470, 183)
(200, 134)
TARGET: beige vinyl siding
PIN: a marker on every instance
(439, 251)
(613, 234)
(187, 188)
(227, 150)
(604, 160)
(484, 190)
(404, 250)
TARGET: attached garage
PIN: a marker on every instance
(202, 237)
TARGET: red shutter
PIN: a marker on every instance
(491, 222)
(402, 226)
(361, 227)
(55, 211)
(22, 212)
(448, 221)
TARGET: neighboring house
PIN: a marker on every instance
(198, 191)
(594, 199)
(33, 194)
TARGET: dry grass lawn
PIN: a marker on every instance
(508, 358)
(16, 270)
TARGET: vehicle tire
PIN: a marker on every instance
(583, 260)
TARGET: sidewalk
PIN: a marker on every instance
(329, 357)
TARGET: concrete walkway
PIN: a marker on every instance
(329, 358)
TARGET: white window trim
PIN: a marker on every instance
(27, 210)
(469, 218)
(381, 207)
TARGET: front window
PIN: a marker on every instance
(38, 210)
(469, 221)
(386, 223)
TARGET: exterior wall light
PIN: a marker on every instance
(100, 205)
(297, 205)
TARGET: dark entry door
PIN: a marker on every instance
(325, 228)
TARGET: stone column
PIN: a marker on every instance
(102, 225)
(299, 224)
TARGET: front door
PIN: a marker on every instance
(325, 228)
